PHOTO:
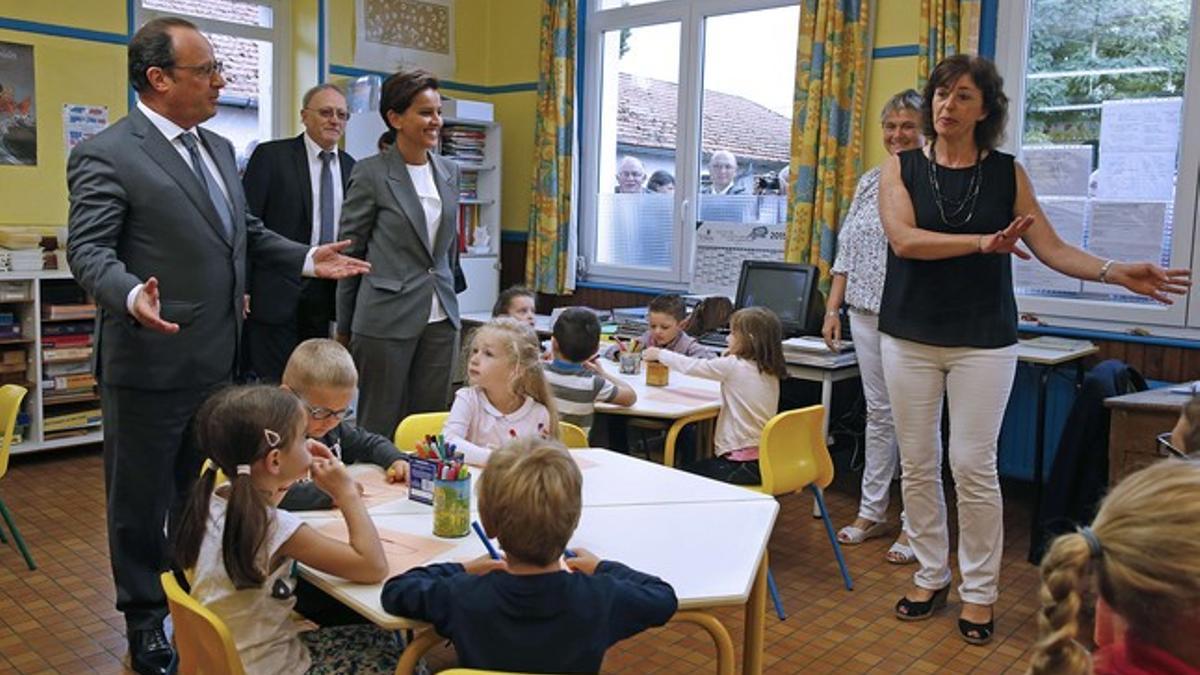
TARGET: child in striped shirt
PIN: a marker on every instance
(576, 381)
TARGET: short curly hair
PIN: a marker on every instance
(989, 132)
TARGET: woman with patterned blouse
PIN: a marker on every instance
(858, 274)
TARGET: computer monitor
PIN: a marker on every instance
(788, 289)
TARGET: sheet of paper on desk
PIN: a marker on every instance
(403, 551)
(1056, 343)
(1192, 387)
(812, 343)
(376, 489)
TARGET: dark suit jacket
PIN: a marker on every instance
(383, 218)
(137, 210)
(357, 446)
(279, 190)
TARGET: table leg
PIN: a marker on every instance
(673, 434)
(1039, 459)
(414, 650)
(717, 631)
(756, 617)
(826, 400)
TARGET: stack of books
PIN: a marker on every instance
(72, 404)
(10, 328)
(468, 185)
(13, 367)
(463, 143)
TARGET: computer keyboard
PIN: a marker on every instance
(715, 338)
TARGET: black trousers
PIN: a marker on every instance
(399, 377)
(727, 470)
(150, 464)
(267, 346)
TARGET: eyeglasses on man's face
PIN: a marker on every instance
(330, 113)
(1167, 449)
(204, 69)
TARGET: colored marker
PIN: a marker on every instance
(487, 544)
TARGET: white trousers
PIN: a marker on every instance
(881, 455)
(977, 382)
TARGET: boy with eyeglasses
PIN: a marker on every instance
(321, 372)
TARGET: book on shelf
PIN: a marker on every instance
(84, 381)
(18, 367)
(7, 318)
(68, 328)
(10, 332)
(72, 311)
(87, 417)
(66, 354)
(68, 340)
(12, 356)
(66, 368)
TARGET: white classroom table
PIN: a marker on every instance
(707, 539)
(684, 400)
(541, 322)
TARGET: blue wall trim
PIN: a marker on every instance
(130, 25)
(1108, 336)
(894, 51)
(989, 13)
(351, 71)
(514, 236)
(64, 31)
(602, 286)
(321, 40)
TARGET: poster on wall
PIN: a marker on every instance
(405, 34)
(18, 119)
(81, 122)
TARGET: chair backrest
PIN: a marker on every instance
(10, 406)
(572, 435)
(792, 452)
(204, 643)
(414, 428)
(221, 477)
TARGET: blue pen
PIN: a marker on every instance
(568, 553)
(479, 531)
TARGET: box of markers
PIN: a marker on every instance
(422, 473)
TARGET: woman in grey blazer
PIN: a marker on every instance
(400, 214)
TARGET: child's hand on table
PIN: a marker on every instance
(650, 354)
(484, 564)
(398, 472)
(583, 561)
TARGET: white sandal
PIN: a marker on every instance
(900, 554)
(852, 536)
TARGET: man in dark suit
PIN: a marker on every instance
(159, 234)
(296, 186)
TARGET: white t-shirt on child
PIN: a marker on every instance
(259, 619)
(476, 426)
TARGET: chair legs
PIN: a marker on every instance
(837, 549)
(775, 599)
(12, 527)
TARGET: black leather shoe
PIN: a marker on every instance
(150, 653)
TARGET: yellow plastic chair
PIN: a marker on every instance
(792, 455)
(414, 428)
(10, 406)
(572, 435)
(221, 477)
(201, 638)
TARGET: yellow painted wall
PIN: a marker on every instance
(66, 71)
(896, 24)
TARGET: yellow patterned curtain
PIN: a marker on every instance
(548, 250)
(831, 65)
(948, 27)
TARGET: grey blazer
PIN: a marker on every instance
(383, 219)
(137, 210)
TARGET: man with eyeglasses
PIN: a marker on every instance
(159, 234)
(295, 185)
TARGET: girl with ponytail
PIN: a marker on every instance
(1142, 554)
(240, 547)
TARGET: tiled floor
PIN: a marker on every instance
(60, 618)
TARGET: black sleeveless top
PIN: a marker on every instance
(954, 302)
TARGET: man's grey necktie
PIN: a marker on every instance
(208, 182)
(327, 232)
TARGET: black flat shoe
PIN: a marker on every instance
(912, 610)
(976, 633)
(150, 653)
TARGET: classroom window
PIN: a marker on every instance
(673, 89)
(1098, 91)
(246, 36)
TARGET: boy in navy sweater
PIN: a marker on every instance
(527, 613)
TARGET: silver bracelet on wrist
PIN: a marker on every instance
(1104, 270)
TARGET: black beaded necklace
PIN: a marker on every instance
(956, 206)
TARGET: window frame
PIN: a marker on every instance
(1181, 319)
(279, 35)
(691, 16)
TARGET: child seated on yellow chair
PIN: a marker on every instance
(575, 380)
(240, 545)
(666, 316)
(507, 396)
(749, 373)
(321, 373)
(527, 612)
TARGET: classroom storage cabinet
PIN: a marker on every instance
(48, 322)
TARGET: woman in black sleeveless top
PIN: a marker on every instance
(953, 213)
